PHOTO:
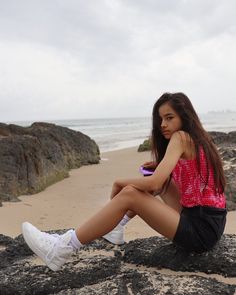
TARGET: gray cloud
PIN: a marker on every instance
(68, 59)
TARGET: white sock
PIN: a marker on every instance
(124, 220)
(75, 242)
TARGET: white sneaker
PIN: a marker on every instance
(116, 236)
(52, 249)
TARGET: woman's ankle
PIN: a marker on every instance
(124, 220)
(75, 242)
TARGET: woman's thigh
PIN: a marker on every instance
(160, 216)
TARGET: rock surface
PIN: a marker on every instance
(226, 143)
(145, 266)
(34, 157)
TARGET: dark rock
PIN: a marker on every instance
(145, 146)
(226, 144)
(162, 253)
(133, 268)
(34, 157)
(143, 282)
(223, 138)
(5, 240)
(219, 137)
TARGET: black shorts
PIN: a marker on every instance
(200, 228)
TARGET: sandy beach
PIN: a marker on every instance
(68, 203)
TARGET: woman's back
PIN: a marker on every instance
(197, 189)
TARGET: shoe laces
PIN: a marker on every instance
(57, 248)
(48, 240)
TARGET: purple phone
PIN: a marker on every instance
(146, 171)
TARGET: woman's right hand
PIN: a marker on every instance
(150, 165)
(116, 188)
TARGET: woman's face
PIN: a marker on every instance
(170, 120)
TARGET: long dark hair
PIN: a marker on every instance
(192, 125)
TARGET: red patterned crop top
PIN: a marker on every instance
(194, 191)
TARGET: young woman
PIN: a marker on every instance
(188, 176)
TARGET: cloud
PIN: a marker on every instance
(73, 59)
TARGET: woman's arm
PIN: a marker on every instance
(155, 182)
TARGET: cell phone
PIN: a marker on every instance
(146, 171)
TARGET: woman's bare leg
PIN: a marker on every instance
(155, 213)
(129, 213)
(171, 197)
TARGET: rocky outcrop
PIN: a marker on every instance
(145, 146)
(226, 143)
(32, 158)
(145, 266)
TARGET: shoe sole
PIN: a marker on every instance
(113, 241)
(34, 248)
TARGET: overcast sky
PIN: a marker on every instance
(113, 58)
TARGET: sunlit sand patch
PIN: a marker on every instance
(228, 165)
(99, 252)
(104, 159)
(91, 254)
(26, 204)
(2, 248)
(36, 261)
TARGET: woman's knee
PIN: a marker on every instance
(130, 190)
(127, 193)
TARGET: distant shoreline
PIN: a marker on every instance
(223, 112)
(113, 134)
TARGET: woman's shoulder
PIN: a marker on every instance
(183, 136)
(187, 142)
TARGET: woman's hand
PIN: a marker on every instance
(116, 188)
(150, 165)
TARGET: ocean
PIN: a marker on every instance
(117, 133)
